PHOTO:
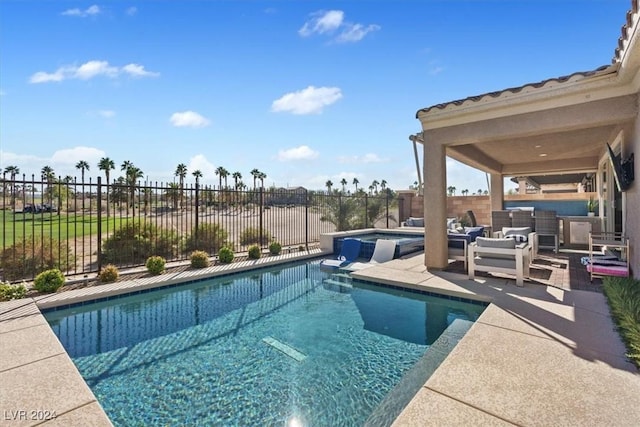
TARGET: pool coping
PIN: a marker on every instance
(566, 335)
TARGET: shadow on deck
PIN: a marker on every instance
(562, 270)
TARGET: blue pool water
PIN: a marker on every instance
(291, 345)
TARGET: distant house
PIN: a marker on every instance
(281, 196)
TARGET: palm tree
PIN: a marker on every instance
(371, 188)
(173, 194)
(465, 192)
(181, 173)
(343, 181)
(255, 173)
(197, 174)
(451, 190)
(375, 184)
(237, 176)
(83, 166)
(329, 184)
(222, 174)
(49, 176)
(133, 175)
(383, 184)
(125, 166)
(356, 182)
(262, 176)
(106, 164)
(12, 171)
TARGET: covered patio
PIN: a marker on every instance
(557, 126)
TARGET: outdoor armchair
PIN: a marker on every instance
(499, 255)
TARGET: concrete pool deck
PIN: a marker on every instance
(538, 355)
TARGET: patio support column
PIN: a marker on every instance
(435, 205)
(497, 192)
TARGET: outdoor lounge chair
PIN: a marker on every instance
(459, 241)
(384, 251)
(348, 253)
(500, 255)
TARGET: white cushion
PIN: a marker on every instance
(519, 234)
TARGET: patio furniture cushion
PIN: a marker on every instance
(491, 242)
(519, 234)
(414, 222)
(609, 270)
(497, 243)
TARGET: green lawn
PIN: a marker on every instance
(60, 227)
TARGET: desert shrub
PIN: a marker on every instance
(206, 237)
(200, 259)
(109, 274)
(155, 264)
(28, 257)
(225, 255)
(49, 281)
(9, 291)
(136, 241)
(623, 296)
(301, 248)
(254, 252)
(275, 248)
(251, 235)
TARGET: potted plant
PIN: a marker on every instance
(592, 205)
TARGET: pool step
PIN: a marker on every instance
(337, 283)
(286, 349)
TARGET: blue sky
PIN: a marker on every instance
(304, 91)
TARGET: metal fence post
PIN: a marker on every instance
(306, 219)
(366, 210)
(261, 216)
(197, 213)
(387, 203)
(99, 207)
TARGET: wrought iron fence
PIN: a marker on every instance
(79, 227)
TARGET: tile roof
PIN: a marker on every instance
(605, 69)
(626, 32)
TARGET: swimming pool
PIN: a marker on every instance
(288, 345)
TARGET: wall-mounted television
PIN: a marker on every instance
(622, 170)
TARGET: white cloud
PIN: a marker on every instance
(131, 11)
(137, 70)
(90, 11)
(89, 70)
(355, 32)
(367, 158)
(107, 114)
(311, 100)
(189, 119)
(200, 162)
(322, 22)
(330, 22)
(71, 156)
(302, 152)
